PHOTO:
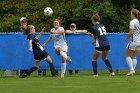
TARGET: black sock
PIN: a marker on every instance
(70, 72)
(31, 70)
(52, 69)
(108, 65)
(39, 72)
(56, 72)
(44, 72)
(94, 65)
(76, 71)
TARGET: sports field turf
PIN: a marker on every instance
(83, 83)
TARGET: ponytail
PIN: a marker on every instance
(139, 16)
(136, 13)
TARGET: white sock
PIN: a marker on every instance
(63, 68)
(134, 63)
(63, 54)
(130, 63)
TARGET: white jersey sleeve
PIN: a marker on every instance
(135, 25)
(132, 22)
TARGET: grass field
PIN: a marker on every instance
(84, 83)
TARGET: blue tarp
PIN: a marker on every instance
(14, 52)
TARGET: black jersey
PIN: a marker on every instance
(37, 48)
(99, 32)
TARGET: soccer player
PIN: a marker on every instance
(102, 44)
(61, 48)
(38, 51)
(73, 30)
(133, 47)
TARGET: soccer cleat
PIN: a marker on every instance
(112, 74)
(68, 59)
(23, 75)
(130, 73)
(95, 75)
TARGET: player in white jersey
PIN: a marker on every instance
(61, 48)
(133, 47)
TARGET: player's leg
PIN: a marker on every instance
(70, 72)
(49, 60)
(134, 58)
(36, 66)
(129, 61)
(107, 62)
(39, 72)
(63, 67)
(44, 72)
(94, 62)
(62, 52)
(76, 71)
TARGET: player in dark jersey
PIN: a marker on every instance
(38, 51)
(102, 44)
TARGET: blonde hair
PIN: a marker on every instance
(136, 13)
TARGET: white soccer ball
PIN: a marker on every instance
(48, 11)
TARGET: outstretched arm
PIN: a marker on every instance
(39, 35)
(47, 41)
(90, 34)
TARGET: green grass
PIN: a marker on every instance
(84, 83)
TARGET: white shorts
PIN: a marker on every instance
(64, 47)
(133, 46)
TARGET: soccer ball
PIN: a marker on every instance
(48, 11)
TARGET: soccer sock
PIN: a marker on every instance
(130, 63)
(94, 65)
(76, 71)
(70, 72)
(39, 72)
(134, 63)
(52, 69)
(56, 72)
(63, 68)
(108, 65)
(44, 72)
(63, 54)
(31, 70)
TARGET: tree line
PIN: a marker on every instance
(115, 14)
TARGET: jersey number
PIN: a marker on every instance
(102, 30)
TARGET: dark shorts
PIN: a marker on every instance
(101, 49)
(40, 55)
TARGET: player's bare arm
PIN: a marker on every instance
(48, 40)
(30, 45)
(90, 34)
(39, 35)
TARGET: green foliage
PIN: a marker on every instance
(114, 13)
